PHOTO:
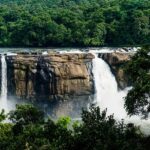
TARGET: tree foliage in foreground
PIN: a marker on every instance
(138, 99)
(74, 22)
(96, 131)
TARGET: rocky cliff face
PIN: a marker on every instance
(116, 61)
(59, 76)
(53, 76)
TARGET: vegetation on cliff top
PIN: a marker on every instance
(74, 22)
(30, 131)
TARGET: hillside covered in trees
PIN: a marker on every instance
(74, 22)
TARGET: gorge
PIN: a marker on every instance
(62, 83)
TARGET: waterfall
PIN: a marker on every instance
(108, 96)
(3, 97)
(107, 89)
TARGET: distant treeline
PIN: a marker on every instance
(74, 22)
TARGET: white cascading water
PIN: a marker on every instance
(3, 98)
(106, 89)
(108, 96)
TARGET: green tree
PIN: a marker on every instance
(100, 131)
(137, 100)
(26, 114)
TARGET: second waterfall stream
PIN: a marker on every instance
(3, 97)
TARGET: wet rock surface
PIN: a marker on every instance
(53, 76)
(116, 61)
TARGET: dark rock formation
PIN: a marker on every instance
(53, 76)
(116, 62)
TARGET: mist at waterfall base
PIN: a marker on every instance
(107, 96)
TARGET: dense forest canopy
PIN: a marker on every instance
(74, 22)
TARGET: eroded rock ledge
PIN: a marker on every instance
(53, 76)
(116, 61)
